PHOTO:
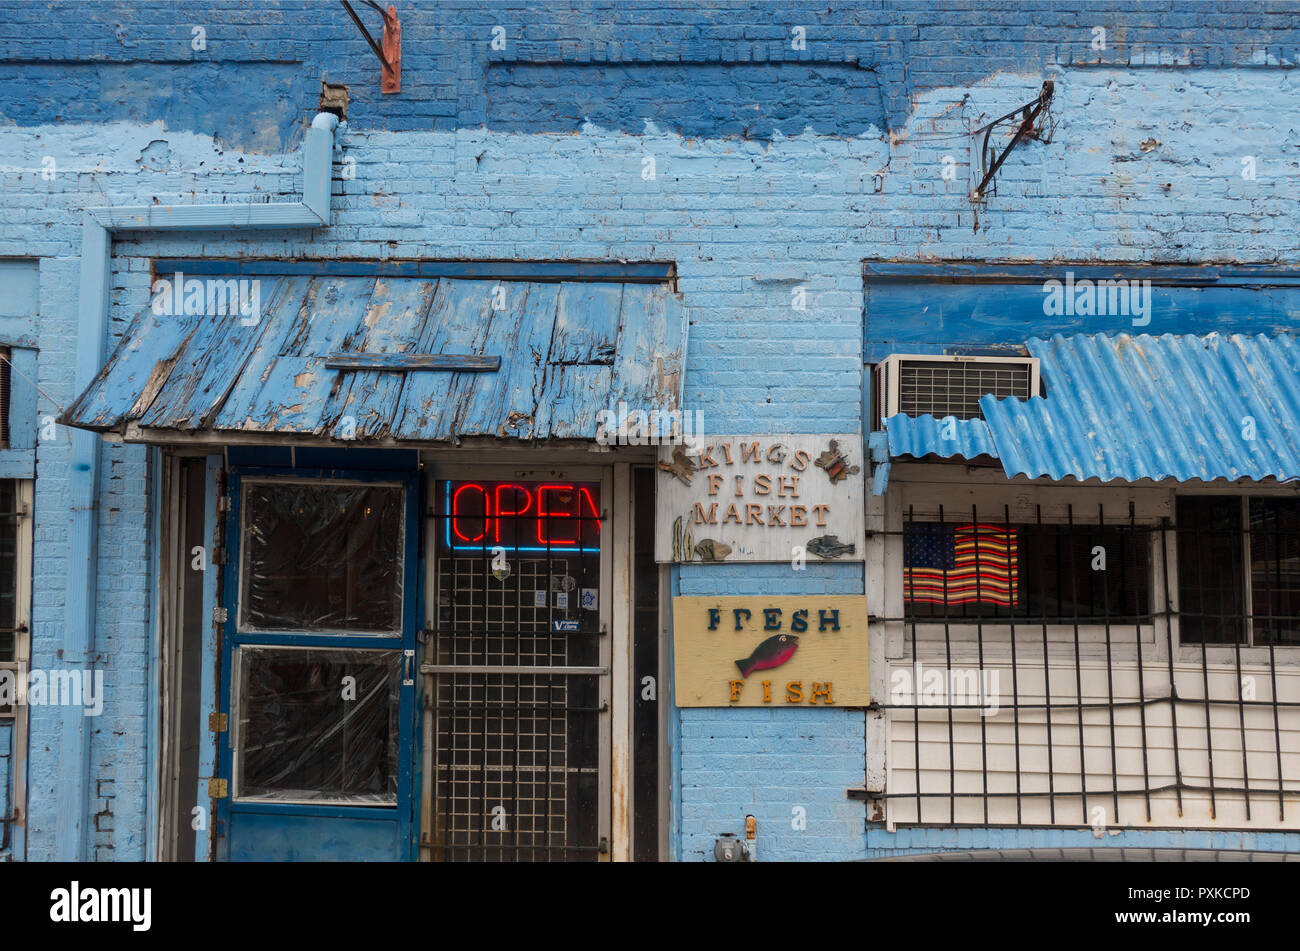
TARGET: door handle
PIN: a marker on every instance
(408, 661)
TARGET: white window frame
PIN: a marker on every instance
(24, 497)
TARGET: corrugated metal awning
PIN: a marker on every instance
(567, 351)
(1140, 407)
(919, 436)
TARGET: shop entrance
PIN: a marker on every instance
(516, 668)
(439, 663)
(318, 666)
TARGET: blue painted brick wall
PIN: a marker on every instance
(87, 61)
(463, 164)
(787, 768)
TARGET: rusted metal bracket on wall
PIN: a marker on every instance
(390, 52)
(1029, 113)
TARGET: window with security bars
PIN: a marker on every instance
(1019, 572)
(954, 388)
(514, 713)
(1239, 570)
(1155, 691)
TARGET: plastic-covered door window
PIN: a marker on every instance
(321, 557)
(317, 725)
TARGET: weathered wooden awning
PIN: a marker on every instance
(301, 365)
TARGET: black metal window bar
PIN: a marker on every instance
(1238, 578)
(515, 703)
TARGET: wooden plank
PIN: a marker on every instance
(583, 349)
(457, 322)
(649, 359)
(571, 400)
(400, 362)
(622, 687)
(126, 384)
(586, 323)
(212, 359)
(438, 406)
(281, 322)
(523, 331)
(295, 386)
(23, 399)
(364, 400)
(645, 373)
(17, 463)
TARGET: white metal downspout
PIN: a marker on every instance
(98, 226)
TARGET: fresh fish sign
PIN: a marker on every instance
(770, 651)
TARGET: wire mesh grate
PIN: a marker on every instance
(516, 754)
(954, 389)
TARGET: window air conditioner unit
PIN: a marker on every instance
(917, 384)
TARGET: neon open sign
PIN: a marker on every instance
(521, 516)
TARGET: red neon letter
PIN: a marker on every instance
(584, 493)
(455, 511)
(502, 511)
(543, 514)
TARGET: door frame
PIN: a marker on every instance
(404, 811)
(614, 729)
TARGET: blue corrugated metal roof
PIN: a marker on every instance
(1137, 407)
(919, 436)
(568, 350)
(1180, 407)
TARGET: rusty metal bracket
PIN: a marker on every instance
(1029, 113)
(390, 52)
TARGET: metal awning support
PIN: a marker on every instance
(390, 54)
(1030, 112)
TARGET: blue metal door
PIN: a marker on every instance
(322, 608)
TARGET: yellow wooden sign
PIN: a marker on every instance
(770, 651)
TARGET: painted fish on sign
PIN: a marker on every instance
(773, 652)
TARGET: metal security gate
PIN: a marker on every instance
(1141, 671)
(516, 672)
